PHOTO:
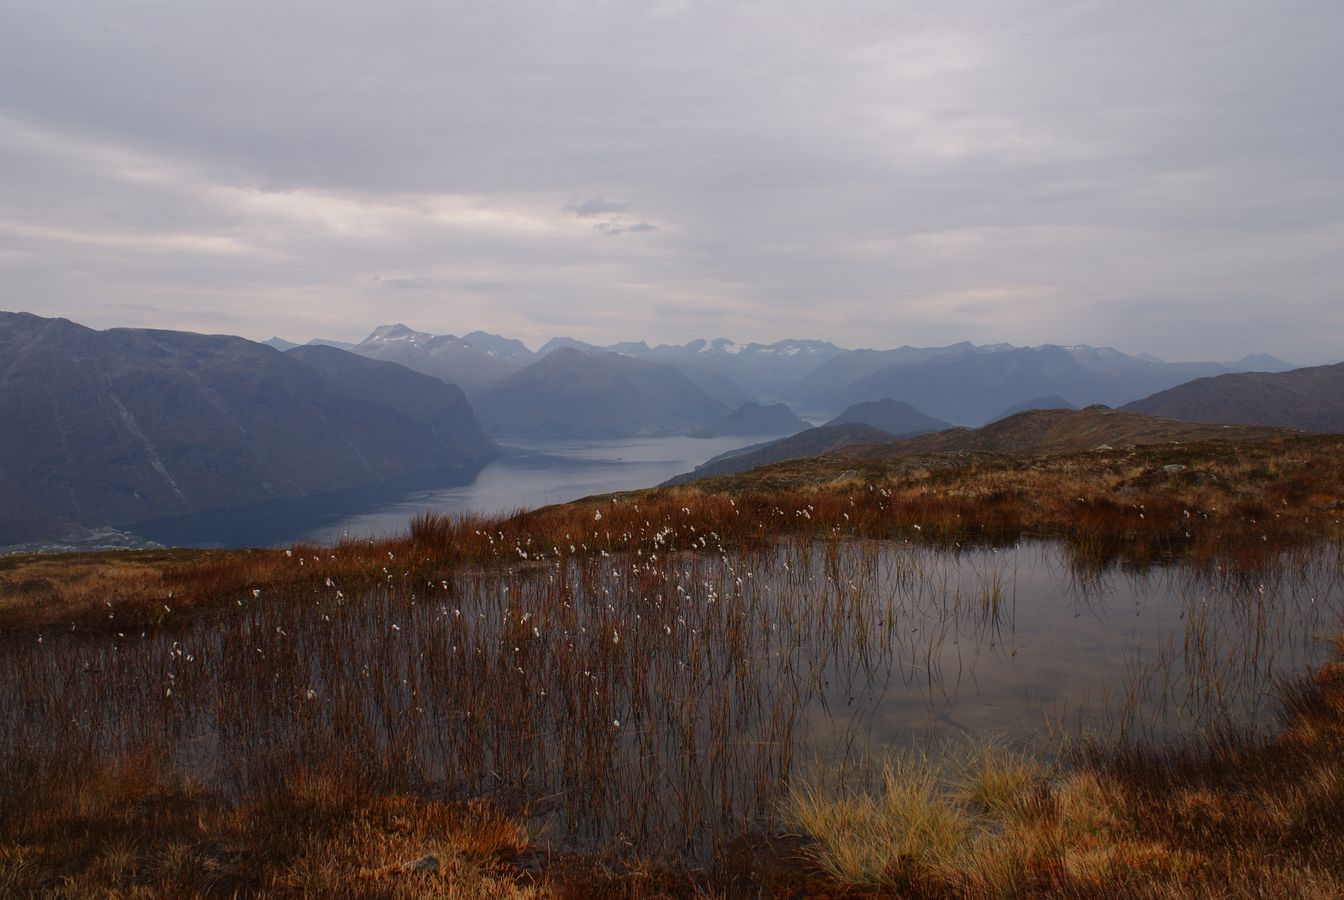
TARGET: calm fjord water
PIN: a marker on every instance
(529, 474)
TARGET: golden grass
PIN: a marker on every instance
(1236, 818)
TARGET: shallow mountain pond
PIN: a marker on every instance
(661, 702)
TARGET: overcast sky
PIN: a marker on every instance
(1160, 176)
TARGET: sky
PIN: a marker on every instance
(1153, 176)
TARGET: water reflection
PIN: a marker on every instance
(660, 701)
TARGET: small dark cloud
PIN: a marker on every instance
(595, 206)
(614, 227)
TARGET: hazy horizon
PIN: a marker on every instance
(1152, 178)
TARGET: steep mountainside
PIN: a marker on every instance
(1310, 398)
(753, 418)
(570, 393)
(812, 442)
(110, 428)
(892, 416)
(444, 356)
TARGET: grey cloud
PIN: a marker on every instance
(614, 227)
(595, 206)
(857, 173)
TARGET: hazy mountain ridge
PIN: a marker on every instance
(573, 393)
(753, 418)
(963, 382)
(109, 428)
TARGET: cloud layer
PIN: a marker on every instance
(1154, 176)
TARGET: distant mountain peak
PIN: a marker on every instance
(1261, 362)
(384, 334)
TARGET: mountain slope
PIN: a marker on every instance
(1310, 398)
(1061, 431)
(571, 393)
(116, 427)
(812, 442)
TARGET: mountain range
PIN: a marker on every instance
(107, 429)
(962, 383)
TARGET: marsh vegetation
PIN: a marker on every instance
(849, 685)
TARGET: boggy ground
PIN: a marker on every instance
(1233, 817)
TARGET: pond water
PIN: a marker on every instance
(659, 701)
(528, 474)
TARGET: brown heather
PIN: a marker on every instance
(115, 669)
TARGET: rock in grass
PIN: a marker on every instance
(428, 863)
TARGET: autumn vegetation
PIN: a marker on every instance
(321, 671)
